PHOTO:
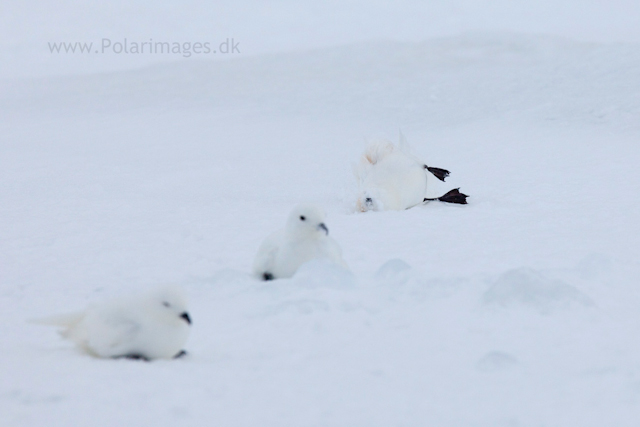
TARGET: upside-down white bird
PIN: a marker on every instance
(153, 325)
(390, 177)
(305, 237)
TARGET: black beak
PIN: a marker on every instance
(323, 227)
(185, 317)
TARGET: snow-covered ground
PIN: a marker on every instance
(519, 309)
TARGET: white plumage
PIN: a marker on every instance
(390, 177)
(154, 325)
(305, 237)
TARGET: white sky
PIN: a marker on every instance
(27, 26)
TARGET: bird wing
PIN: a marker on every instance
(403, 144)
(267, 253)
(111, 332)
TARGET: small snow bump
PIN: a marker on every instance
(394, 271)
(322, 273)
(528, 287)
(496, 361)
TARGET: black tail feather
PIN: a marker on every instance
(453, 196)
(441, 174)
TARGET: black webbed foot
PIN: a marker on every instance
(181, 353)
(441, 174)
(133, 356)
(267, 276)
(453, 196)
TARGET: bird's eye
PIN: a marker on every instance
(302, 218)
(166, 304)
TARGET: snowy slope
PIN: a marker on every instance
(519, 309)
(28, 26)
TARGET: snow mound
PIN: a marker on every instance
(496, 361)
(528, 287)
(323, 273)
(393, 272)
(404, 283)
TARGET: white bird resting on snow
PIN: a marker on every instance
(391, 178)
(153, 325)
(305, 237)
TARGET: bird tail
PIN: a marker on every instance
(61, 320)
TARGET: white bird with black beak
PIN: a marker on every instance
(154, 325)
(390, 177)
(305, 237)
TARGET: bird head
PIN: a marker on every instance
(171, 303)
(366, 202)
(307, 221)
